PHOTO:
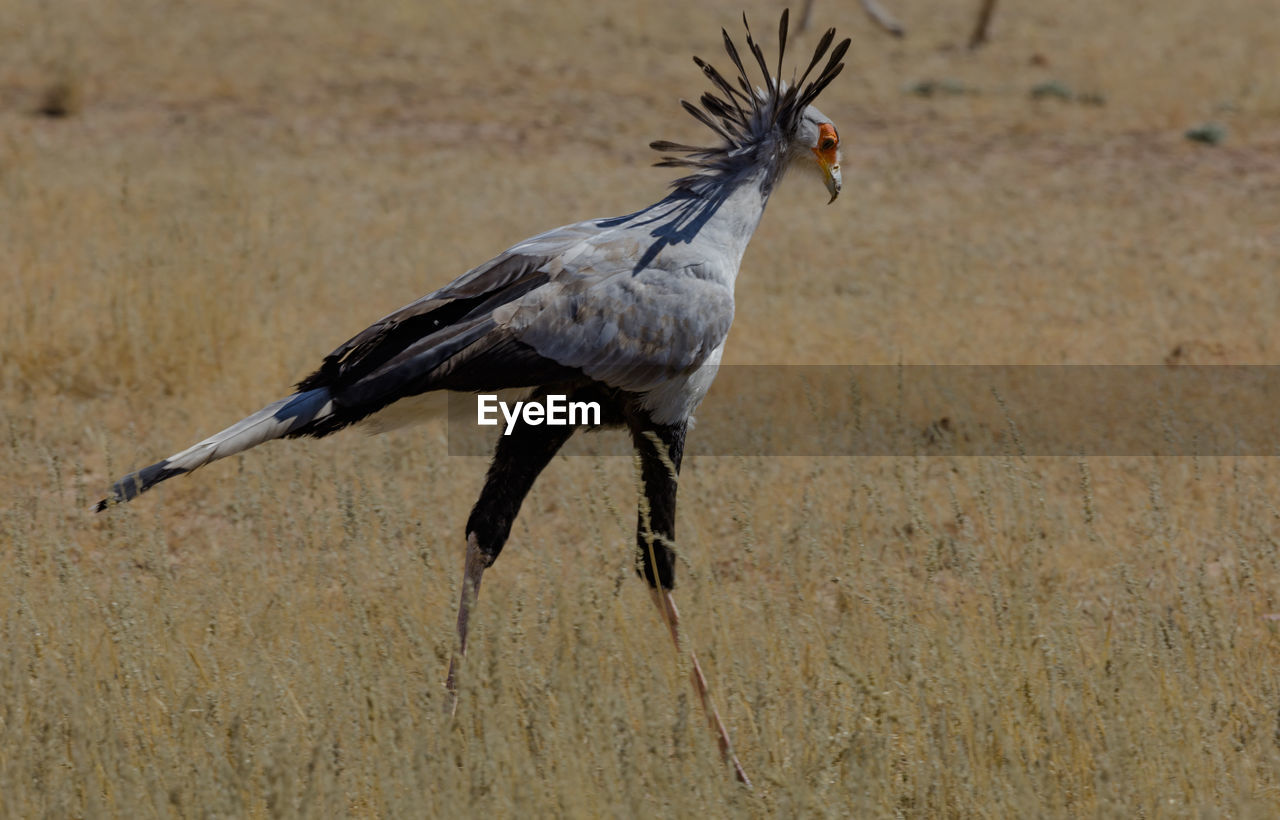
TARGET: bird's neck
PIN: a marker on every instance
(720, 212)
(745, 196)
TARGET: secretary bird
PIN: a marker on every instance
(629, 312)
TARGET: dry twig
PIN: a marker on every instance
(980, 26)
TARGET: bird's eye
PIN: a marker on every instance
(828, 139)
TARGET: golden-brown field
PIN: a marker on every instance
(240, 186)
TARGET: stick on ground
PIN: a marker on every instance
(980, 26)
(882, 18)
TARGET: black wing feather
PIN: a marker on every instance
(437, 314)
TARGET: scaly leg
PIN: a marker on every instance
(472, 570)
(667, 606)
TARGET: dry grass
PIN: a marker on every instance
(241, 186)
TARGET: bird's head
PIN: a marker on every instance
(767, 127)
(817, 145)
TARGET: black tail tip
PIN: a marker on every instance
(119, 495)
(134, 484)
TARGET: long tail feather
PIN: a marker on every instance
(287, 417)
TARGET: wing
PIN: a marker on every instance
(562, 306)
(419, 337)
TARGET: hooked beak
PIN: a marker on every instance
(831, 176)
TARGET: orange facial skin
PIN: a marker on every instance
(828, 145)
(828, 153)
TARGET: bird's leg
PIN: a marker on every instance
(667, 606)
(473, 568)
(660, 449)
(518, 459)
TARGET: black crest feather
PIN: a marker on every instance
(744, 117)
